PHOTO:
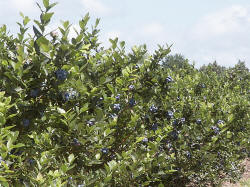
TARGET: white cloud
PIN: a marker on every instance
(222, 36)
(95, 6)
(152, 29)
(234, 19)
(23, 5)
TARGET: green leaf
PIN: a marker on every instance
(47, 16)
(18, 145)
(37, 32)
(26, 20)
(99, 114)
(84, 108)
(98, 156)
(108, 178)
(71, 158)
(112, 164)
(139, 139)
(60, 110)
(107, 132)
(51, 6)
(43, 43)
(46, 3)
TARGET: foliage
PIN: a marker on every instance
(74, 113)
(175, 62)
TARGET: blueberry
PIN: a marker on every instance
(175, 123)
(182, 120)
(31, 161)
(215, 129)
(73, 93)
(153, 109)
(170, 114)
(145, 140)
(220, 122)
(132, 102)
(105, 150)
(66, 96)
(174, 135)
(169, 145)
(117, 107)
(61, 74)
(118, 96)
(26, 122)
(203, 85)
(188, 154)
(76, 142)
(131, 87)
(154, 126)
(198, 121)
(34, 92)
(90, 123)
(113, 116)
(169, 79)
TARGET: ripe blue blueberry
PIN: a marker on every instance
(153, 109)
(132, 102)
(182, 120)
(73, 93)
(175, 123)
(117, 107)
(66, 96)
(174, 135)
(203, 85)
(105, 150)
(188, 154)
(169, 79)
(76, 142)
(90, 123)
(198, 121)
(145, 140)
(34, 92)
(113, 116)
(31, 161)
(154, 126)
(131, 87)
(220, 122)
(170, 114)
(215, 129)
(61, 74)
(26, 122)
(118, 96)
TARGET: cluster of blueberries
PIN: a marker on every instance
(169, 79)
(61, 74)
(70, 94)
(217, 129)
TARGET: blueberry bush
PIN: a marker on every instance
(73, 113)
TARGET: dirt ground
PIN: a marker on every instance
(245, 177)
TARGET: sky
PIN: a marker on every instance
(202, 31)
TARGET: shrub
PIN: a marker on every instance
(89, 116)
